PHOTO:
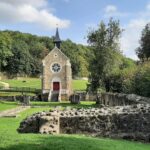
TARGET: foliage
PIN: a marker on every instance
(121, 78)
(141, 80)
(5, 49)
(21, 54)
(104, 42)
(143, 51)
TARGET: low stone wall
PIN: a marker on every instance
(17, 97)
(119, 99)
(127, 122)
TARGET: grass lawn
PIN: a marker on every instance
(1, 85)
(7, 105)
(79, 84)
(11, 140)
(24, 82)
(36, 83)
(83, 104)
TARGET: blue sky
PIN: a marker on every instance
(74, 17)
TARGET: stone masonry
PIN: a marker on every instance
(119, 99)
(127, 122)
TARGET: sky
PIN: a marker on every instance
(75, 17)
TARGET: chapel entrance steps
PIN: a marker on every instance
(55, 96)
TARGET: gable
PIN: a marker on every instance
(53, 52)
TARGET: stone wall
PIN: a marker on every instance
(127, 122)
(18, 97)
(119, 99)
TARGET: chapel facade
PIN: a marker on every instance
(57, 74)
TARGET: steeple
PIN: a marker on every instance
(57, 40)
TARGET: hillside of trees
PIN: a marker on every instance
(21, 54)
(102, 61)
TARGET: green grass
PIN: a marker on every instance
(10, 93)
(11, 140)
(7, 105)
(83, 104)
(79, 84)
(36, 83)
(1, 85)
(25, 82)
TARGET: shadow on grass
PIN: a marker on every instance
(61, 143)
(73, 142)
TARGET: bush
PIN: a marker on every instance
(141, 80)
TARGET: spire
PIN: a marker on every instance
(57, 40)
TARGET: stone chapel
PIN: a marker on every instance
(57, 74)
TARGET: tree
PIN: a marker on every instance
(23, 53)
(105, 44)
(71, 50)
(121, 78)
(5, 49)
(19, 63)
(141, 80)
(143, 51)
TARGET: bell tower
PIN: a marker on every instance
(57, 40)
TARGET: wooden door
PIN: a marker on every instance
(56, 86)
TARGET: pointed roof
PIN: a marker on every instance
(57, 38)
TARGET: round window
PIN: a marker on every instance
(56, 67)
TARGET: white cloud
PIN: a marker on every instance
(132, 34)
(112, 11)
(30, 11)
(148, 6)
(35, 3)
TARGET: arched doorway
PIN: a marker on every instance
(56, 89)
(56, 86)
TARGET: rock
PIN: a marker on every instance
(75, 99)
(127, 122)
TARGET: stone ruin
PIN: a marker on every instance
(126, 122)
(119, 99)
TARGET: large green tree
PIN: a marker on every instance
(143, 51)
(141, 80)
(105, 44)
(5, 49)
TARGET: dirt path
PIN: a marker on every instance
(6, 85)
(13, 112)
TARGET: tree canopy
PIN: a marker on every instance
(143, 51)
(106, 56)
(22, 54)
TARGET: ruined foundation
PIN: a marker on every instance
(127, 122)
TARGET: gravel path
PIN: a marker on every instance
(13, 112)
